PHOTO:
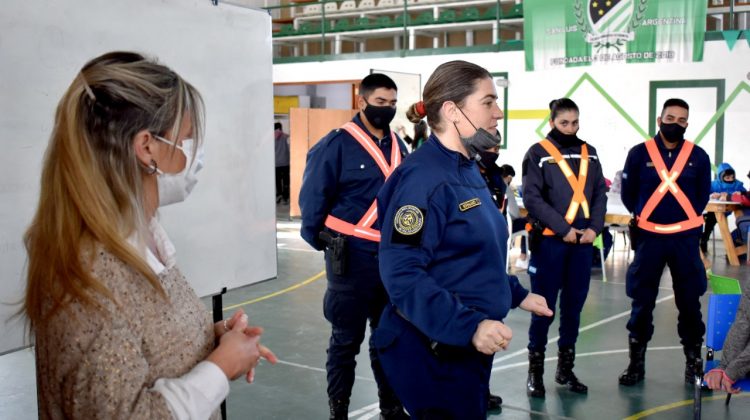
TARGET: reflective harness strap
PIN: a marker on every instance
(363, 229)
(669, 183)
(578, 184)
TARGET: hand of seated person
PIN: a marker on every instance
(717, 379)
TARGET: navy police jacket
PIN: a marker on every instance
(443, 246)
(547, 193)
(341, 179)
(640, 180)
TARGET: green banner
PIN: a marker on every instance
(572, 33)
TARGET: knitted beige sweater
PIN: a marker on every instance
(101, 364)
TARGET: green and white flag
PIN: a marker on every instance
(571, 33)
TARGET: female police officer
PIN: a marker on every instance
(566, 206)
(442, 255)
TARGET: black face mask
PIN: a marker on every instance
(379, 116)
(673, 133)
(565, 140)
(488, 159)
(478, 142)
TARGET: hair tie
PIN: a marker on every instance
(87, 88)
(420, 109)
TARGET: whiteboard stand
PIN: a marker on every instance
(218, 314)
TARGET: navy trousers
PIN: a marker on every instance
(432, 388)
(680, 253)
(351, 302)
(559, 268)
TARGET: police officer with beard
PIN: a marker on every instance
(666, 184)
(344, 173)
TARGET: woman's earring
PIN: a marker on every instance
(152, 167)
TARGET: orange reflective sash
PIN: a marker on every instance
(363, 229)
(578, 184)
(669, 183)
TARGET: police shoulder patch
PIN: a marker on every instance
(407, 225)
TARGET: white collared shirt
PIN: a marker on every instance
(198, 393)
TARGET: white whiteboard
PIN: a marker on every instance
(225, 232)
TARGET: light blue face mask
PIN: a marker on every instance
(174, 188)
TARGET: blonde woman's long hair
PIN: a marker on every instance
(91, 186)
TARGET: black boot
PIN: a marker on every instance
(535, 382)
(339, 409)
(393, 413)
(390, 407)
(693, 363)
(494, 402)
(637, 367)
(564, 375)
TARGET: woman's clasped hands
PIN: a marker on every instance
(239, 350)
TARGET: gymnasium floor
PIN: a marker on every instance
(298, 333)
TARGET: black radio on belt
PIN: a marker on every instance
(634, 233)
(535, 235)
(337, 251)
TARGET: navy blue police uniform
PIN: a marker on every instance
(442, 254)
(677, 248)
(342, 179)
(556, 267)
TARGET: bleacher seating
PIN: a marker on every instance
(367, 15)
(362, 23)
(469, 15)
(306, 28)
(348, 5)
(342, 25)
(515, 12)
(447, 16)
(399, 20)
(424, 18)
(311, 9)
(490, 14)
(286, 30)
(331, 7)
(382, 22)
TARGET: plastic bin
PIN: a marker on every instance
(721, 285)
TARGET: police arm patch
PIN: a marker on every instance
(407, 225)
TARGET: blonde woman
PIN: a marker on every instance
(119, 332)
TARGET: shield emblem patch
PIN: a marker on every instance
(610, 16)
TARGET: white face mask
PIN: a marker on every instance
(174, 188)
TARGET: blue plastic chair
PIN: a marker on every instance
(722, 309)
